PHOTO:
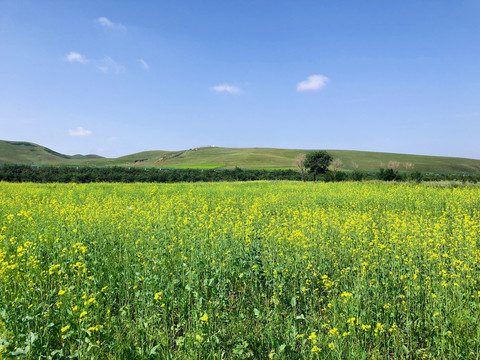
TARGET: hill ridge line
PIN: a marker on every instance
(212, 157)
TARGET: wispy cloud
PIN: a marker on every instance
(143, 64)
(107, 24)
(73, 56)
(80, 131)
(231, 89)
(107, 64)
(313, 82)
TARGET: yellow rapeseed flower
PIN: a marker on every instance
(65, 328)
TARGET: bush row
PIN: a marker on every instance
(49, 174)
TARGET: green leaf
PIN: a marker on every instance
(56, 352)
(90, 347)
(238, 351)
(153, 351)
(19, 351)
(33, 337)
(293, 332)
(293, 301)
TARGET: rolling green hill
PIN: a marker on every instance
(248, 158)
(21, 152)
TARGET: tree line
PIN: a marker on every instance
(51, 174)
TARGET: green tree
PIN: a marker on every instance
(317, 162)
(387, 174)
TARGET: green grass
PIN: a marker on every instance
(229, 158)
(21, 152)
(198, 166)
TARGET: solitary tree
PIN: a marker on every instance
(317, 162)
(335, 166)
(300, 165)
(408, 166)
(394, 165)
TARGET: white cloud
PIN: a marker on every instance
(231, 89)
(107, 24)
(73, 56)
(313, 82)
(107, 64)
(80, 131)
(143, 64)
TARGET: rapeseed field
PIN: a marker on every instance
(257, 270)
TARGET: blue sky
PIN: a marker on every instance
(118, 77)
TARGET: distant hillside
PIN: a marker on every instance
(86, 157)
(228, 158)
(21, 152)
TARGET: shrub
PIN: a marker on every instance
(387, 175)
